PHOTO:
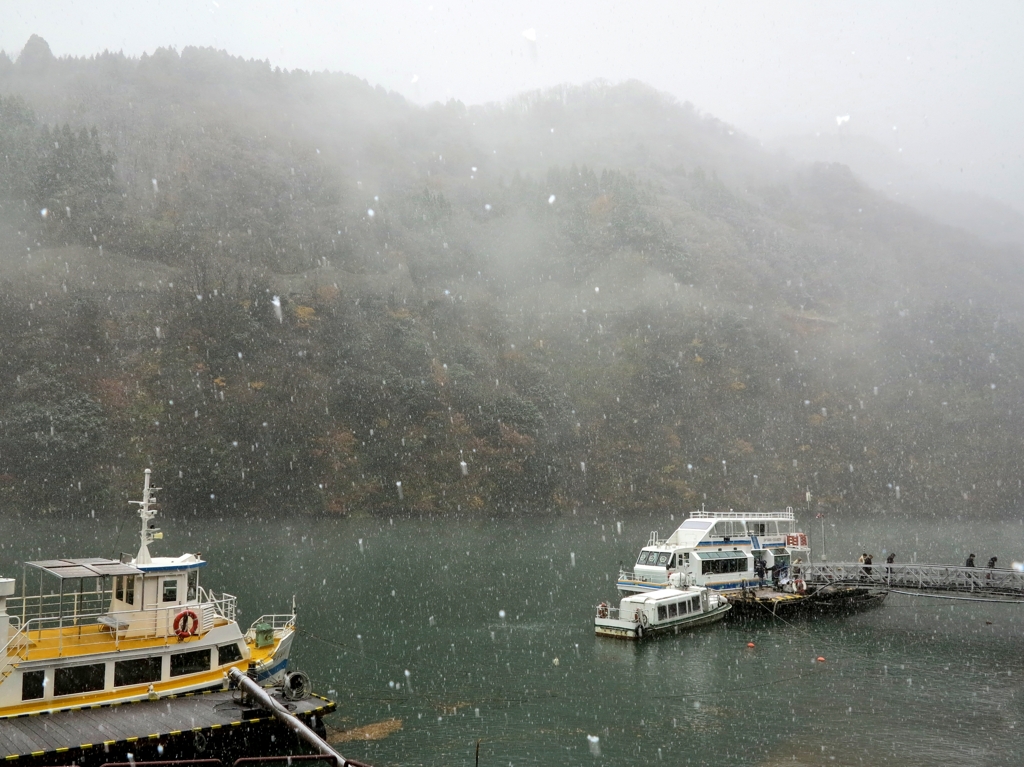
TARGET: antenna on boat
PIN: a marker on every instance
(149, 532)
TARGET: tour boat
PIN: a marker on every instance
(88, 632)
(720, 550)
(665, 611)
(753, 557)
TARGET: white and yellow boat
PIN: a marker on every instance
(88, 632)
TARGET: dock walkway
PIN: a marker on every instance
(990, 584)
(180, 723)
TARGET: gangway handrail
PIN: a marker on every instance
(918, 577)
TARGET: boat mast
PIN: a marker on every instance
(149, 532)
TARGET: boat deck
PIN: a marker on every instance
(186, 721)
(765, 601)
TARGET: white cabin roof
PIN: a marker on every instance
(660, 595)
(184, 562)
(690, 533)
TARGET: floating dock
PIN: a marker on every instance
(220, 723)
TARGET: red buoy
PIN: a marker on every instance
(750, 644)
(821, 659)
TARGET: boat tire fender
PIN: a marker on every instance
(643, 619)
(186, 624)
(639, 632)
(296, 685)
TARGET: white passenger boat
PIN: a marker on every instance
(722, 550)
(664, 611)
(87, 632)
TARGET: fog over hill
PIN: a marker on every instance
(298, 289)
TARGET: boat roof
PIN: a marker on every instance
(93, 567)
(661, 595)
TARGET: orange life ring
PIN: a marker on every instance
(602, 610)
(186, 624)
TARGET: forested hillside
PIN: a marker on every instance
(295, 290)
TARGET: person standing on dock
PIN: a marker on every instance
(759, 570)
(888, 565)
(970, 561)
(867, 565)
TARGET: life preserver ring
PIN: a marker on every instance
(602, 610)
(186, 624)
(801, 587)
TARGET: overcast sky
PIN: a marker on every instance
(943, 82)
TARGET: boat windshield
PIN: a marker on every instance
(655, 558)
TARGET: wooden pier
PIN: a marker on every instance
(219, 723)
(992, 584)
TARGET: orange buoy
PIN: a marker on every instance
(821, 659)
(750, 644)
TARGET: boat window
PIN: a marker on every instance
(714, 562)
(694, 604)
(190, 662)
(171, 591)
(33, 684)
(72, 680)
(663, 559)
(228, 653)
(137, 671)
(643, 558)
(119, 588)
(757, 528)
(673, 610)
(193, 583)
(129, 589)
(662, 612)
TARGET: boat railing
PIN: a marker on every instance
(277, 621)
(82, 604)
(225, 605)
(46, 626)
(631, 576)
(607, 611)
(787, 515)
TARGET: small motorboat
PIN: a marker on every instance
(663, 611)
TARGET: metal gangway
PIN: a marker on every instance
(992, 584)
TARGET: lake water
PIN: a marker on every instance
(481, 630)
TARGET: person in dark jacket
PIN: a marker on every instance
(867, 565)
(888, 565)
(970, 561)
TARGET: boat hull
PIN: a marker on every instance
(623, 629)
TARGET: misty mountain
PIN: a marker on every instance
(883, 169)
(296, 289)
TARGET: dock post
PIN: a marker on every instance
(264, 698)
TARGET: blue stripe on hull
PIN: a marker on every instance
(275, 669)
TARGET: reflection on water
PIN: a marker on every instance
(478, 612)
